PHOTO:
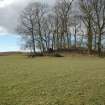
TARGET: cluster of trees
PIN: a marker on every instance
(63, 25)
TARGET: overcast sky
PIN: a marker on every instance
(9, 13)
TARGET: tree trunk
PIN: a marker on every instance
(95, 42)
(90, 38)
(99, 45)
(57, 41)
(64, 42)
(33, 43)
(75, 38)
(68, 40)
(61, 42)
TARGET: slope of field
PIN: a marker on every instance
(69, 80)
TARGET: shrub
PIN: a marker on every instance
(57, 55)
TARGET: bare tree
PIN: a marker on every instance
(26, 26)
(33, 24)
(87, 11)
(76, 25)
(51, 27)
(63, 9)
(99, 20)
(40, 14)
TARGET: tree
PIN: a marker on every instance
(32, 23)
(63, 9)
(87, 11)
(99, 20)
(76, 25)
(40, 12)
(26, 26)
(52, 27)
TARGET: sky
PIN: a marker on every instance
(9, 43)
(9, 15)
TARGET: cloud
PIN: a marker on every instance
(4, 3)
(3, 30)
(10, 11)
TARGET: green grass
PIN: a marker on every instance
(70, 80)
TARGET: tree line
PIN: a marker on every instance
(64, 25)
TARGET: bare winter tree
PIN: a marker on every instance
(76, 25)
(57, 25)
(48, 31)
(26, 26)
(87, 11)
(52, 27)
(32, 24)
(40, 14)
(99, 20)
(63, 9)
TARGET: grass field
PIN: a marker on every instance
(73, 80)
